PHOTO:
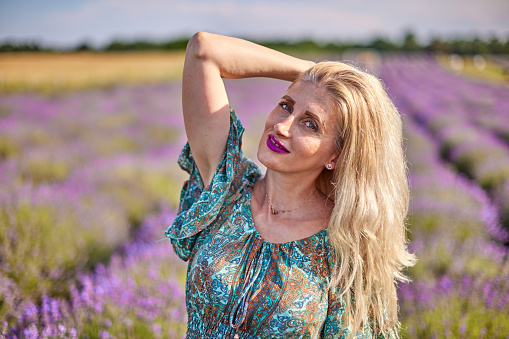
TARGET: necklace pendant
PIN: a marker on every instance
(275, 212)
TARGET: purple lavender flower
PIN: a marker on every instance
(55, 310)
(104, 335)
(49, 331)
(31, 332)
(61, 330)
(30, 314)
(446, 284)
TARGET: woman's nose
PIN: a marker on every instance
(283, 127)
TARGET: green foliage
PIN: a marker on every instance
(43, 247)
(382, 44)
(7, 148)
(488, 267)
(45, 170)
(162, 134)
(143, 45)
(130, 326)
(410, 43)
(83, 47)
(468, 46)
(141, 190)
(11, 46)
(462, 46)
(449, 319)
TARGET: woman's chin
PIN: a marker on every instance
(270, 162)
(264, 157)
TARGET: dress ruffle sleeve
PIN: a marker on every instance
(199, 205)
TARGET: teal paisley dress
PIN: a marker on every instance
(238, 284)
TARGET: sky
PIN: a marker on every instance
(64, 23)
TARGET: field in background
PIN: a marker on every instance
(89, 181)
(491, 69)
(60, 72)
(53, 73)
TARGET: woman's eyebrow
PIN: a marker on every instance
(288, 98)
(308, 113)
(314, 116)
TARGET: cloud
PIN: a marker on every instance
(101, 20)
(260, 18)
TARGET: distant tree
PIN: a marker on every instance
(479, 46)
(470, 46)
(7, 47)
(336, 47)
(410, 43)
(115, 45)
(496, 46)
(461, 46)
(178, 44)
(83, 47)
(144, 45)
(382, 44)
(437, 45)
(307, 46)
(10, 46)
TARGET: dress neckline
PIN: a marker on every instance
(255, 231)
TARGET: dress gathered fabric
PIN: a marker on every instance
(239, 285)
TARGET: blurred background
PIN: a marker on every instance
(91, 127)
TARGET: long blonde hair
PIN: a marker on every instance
(370, 193)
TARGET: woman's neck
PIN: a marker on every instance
(288, 192)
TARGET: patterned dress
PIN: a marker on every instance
(238, 284)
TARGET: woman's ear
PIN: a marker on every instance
(332, 163)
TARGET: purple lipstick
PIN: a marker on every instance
(275, 145)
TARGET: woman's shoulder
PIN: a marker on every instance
(200, 205)
(234, 167)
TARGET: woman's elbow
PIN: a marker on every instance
(199, 46)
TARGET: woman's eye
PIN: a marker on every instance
(285, 106)
(311, 125)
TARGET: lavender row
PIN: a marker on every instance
(458, 307)
(60, 222)
(138, 295)
(452, 110)
(452, 220)
(459, 287)
(484, 105)
(114, 301)
(130, 297)
(77, 174)
(461, 282)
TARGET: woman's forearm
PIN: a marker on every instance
(210, 57)
(237, 58)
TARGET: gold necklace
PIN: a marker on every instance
(276, 211)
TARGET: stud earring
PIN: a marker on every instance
(329, 166)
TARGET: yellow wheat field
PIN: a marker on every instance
(61, 72)
(478, 68)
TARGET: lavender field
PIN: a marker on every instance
(89, 182)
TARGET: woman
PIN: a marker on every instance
(313, 248)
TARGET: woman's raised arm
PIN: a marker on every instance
(209, 58)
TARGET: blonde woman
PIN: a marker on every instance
(313, 248)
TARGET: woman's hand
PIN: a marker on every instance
(209, 58)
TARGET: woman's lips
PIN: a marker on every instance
(275, 145)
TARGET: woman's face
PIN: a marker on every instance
(300, 131)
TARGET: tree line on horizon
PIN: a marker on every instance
(462, 46)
